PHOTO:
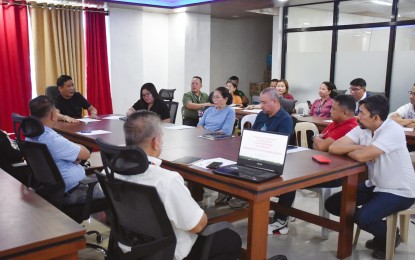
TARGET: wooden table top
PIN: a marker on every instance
(178, 143)
(28, 222)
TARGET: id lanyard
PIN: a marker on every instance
(319, 107)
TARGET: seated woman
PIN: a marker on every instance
(151, 100)
(322, 106)
(282, 89)
(232, 87)
(220, 117)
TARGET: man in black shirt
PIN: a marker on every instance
(70, 103)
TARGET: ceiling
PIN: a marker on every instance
(221, 9)
(241, 9)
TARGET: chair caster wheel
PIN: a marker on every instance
(100, 239)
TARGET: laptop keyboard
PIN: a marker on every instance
(254, 174)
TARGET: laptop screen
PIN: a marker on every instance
(265, 150)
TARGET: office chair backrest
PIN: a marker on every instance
(339, 91)
(372, 93)
(52, 91)
(122, 160)
(49, 182)
(139, 220)
(167, 94)
(173, 110)
(288, 105)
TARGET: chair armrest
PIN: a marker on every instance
(91, 182)
(213, 228)
(19, 164)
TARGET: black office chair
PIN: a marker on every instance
(139, 217)
(339, 92)
(173, 106)
(373, 93)
(167, 94)
(52, 91)
(48, 181)
(288, 104)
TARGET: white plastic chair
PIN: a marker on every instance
(302, 108)
(391, 223)
(303, 127)
(323, 193)
(248, 118)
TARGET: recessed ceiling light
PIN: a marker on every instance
(180, 10)
(381, 2)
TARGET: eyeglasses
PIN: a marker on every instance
(354, 89)
(411, 93)
(216, 97)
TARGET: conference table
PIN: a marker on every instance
(31, 227)
(300, 171)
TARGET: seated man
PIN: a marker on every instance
(70, 103)
(194, 103)
(405, 115)
(143, 129)
(66, 154)
(390, 188)
(358, 91)
(342, 114)
(274, 118)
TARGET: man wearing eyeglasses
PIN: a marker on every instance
(405, 115)
(358, 91)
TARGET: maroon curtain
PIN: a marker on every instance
(97, 74)
(15, 84)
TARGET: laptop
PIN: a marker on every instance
(261, 157)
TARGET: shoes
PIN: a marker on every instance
(237, 203)
(278, 227)
(379, 251)
(222, 199)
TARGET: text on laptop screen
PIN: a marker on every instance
(266, 147)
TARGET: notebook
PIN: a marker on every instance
(261, 157)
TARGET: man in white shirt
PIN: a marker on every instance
(142, 129)
(381, 143)
(405, 115)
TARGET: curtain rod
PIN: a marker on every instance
(58, 7)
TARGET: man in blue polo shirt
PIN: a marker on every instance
(273, 118)
(65, 153)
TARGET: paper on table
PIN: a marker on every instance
(204, 163)
(297, 149)
(179, 127)
(328, 120)
(408, 129)
(236, 107)
(113, 117)
(87, 120)
(94, 132)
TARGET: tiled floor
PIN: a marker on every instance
(302, 242)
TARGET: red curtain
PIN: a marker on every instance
(15, 84)
(97, 73)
